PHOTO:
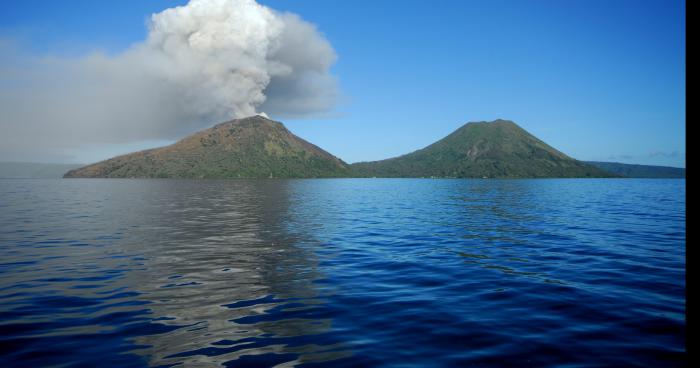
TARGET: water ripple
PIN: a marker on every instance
(342, 273)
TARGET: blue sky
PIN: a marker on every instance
(598, 80)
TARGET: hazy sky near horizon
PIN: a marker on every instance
(598, 80)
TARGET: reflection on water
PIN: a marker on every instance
(219, 262)
(185, 272)
(342, 272)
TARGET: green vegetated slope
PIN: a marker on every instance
(497, 149)
(253, 147)
(640, 171)
(257, 147)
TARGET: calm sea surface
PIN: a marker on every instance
(342, 273)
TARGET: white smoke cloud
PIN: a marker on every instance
(202, 63)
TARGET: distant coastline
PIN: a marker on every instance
(34, 170)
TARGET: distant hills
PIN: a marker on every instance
(257, 147)
(639, 171)
(497, 149)
(32, 170)
(253, 147)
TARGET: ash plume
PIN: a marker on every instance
(202, 63)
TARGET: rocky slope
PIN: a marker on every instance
(253, 147)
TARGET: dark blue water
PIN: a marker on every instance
(336, 273)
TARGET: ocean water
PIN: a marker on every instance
(342, 273)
